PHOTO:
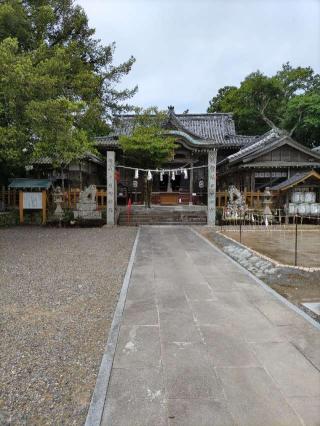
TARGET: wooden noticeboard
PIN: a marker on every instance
(33, 201)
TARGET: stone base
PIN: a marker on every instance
(87, 215)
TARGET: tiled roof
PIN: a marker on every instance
(295, 179)
(277, 164)
(208, 126)
(47, 160)
(215, 128)
(106, 141)
(274, 135)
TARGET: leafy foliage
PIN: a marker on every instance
(57, 83)
(289, 100)
(149, 145)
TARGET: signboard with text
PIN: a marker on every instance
(32, 200)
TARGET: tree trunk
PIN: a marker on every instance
(145, 190)
(62, 180)
(149, 193)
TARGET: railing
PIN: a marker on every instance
(71, 198)
(252, 199)
(10, 198)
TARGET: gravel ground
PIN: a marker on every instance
(58, 291)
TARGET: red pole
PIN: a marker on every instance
(129, 210)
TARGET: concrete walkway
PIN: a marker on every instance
(201, 343)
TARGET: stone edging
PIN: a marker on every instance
(260, 282)
(281, 265)
(96, 407)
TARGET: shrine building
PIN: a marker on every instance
(250, 163)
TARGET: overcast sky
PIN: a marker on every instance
(186, 50)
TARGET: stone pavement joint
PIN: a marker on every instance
(202, 343)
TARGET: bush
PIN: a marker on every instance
(9, 218)
(67, 216)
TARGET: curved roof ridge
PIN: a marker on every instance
(266, 137)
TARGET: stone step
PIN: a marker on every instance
(163, 223)
(162, 216)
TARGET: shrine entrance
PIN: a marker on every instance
(186, 183)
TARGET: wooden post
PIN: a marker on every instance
(44, 207)
(21, 206)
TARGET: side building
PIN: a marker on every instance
(268, 161)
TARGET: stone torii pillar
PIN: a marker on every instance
(212, 183)
(110, 188)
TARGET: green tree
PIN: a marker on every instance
(53, 70)
(56, 135)
(302, 116)
(287, 100)
(215, 105)
(149, 144)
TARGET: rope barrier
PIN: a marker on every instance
(176, 169)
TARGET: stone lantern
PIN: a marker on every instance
(58, 200)
(267, 202)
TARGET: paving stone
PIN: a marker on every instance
(226, 347)
(199, 291)
(143, 271)
(188, 373)
(219, 283)
(136, 412)
(167, 273)
(308, 409)
(179, 331)
(309, 345)
(211, 312)
(141, 290)
(253, 399)
(173, 304)
(254, 294)
(220, 354)
(138, 346)
(198, 412)
(140, 312)
(177, 324)
(279, 314)
(261, 332)
(166, 289)
(293, 373)
(233, 299)
(127, 384)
